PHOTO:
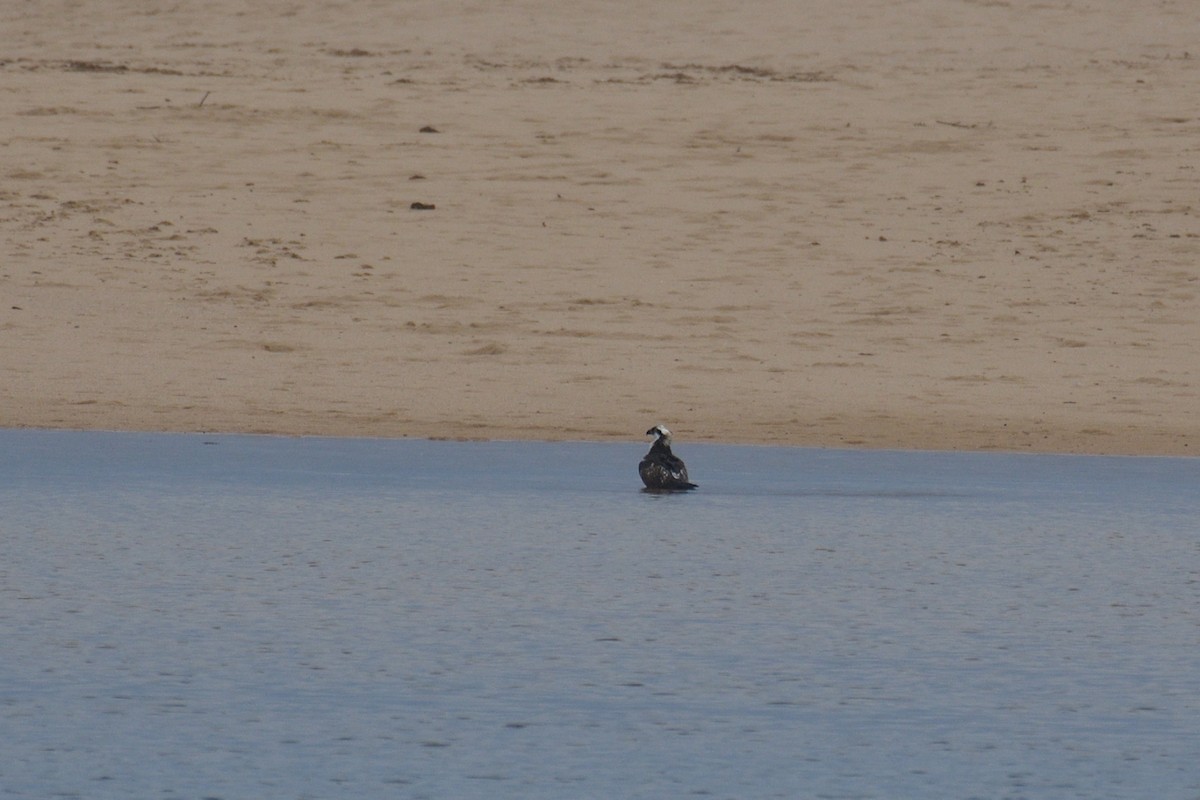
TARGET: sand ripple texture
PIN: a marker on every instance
(941, 224)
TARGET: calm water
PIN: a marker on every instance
(234, 617)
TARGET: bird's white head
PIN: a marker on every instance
(661, 432)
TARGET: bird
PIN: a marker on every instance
(662, 470)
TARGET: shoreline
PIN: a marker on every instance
(959, 227)
(918, 444)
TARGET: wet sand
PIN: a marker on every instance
(965, 225)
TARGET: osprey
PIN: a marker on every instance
(662, 470)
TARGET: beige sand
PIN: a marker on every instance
(892, 223)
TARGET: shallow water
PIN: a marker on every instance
(227, 617)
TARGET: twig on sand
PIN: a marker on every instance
(202, 99)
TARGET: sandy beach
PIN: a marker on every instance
(943, 224)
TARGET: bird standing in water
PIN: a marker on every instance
(662, 470)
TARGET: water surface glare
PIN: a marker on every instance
(232, 616)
